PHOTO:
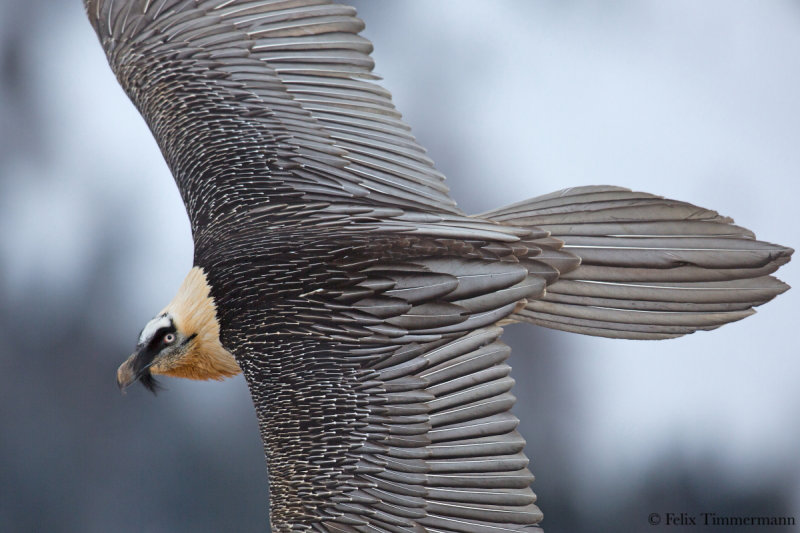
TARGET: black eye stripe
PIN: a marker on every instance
(159, 335)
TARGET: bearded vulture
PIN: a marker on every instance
(364, 308)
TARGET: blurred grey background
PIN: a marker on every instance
(693, 100)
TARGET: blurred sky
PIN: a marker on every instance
(694, 101)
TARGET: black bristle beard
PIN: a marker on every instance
(150, 383)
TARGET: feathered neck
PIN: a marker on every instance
(195, 314)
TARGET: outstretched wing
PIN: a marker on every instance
(257, 103)
(386, 407)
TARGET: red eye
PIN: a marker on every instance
(169, 338)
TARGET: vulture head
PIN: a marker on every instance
(181, 341)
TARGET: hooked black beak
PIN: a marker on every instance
(137, 368)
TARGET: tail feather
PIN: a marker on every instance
(651, 268)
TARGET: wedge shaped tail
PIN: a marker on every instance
(651, 268)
